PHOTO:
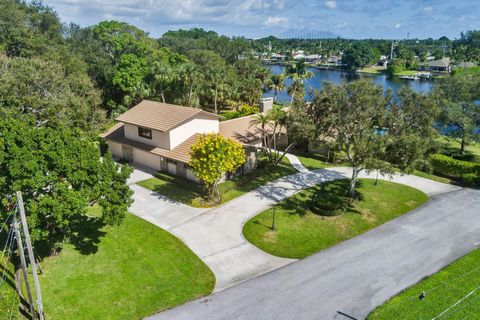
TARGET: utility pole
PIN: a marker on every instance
(30, 255)
(18, 236)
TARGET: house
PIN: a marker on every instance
(383, 63)
(159, 136)
(441, 65)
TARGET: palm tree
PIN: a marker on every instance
(262, 120)
(298, 72)
(164, 74)
(277, 83)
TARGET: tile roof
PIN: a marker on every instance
(180, 153)
(161, 116)
(241, 130)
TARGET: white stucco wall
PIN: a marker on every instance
(159, 139)
(146, 159)
(186, 130)
(115, 149)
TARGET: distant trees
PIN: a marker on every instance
(212, 156)
(457, 97)
(358, 55)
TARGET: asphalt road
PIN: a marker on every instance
(355, 276)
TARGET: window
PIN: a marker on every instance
(145, 133)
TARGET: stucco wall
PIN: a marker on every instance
(159, 139)
(186, 130)
(146, 159)
(115, 149)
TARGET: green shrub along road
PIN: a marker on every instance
(299, 232)
(128, 271)
(441, 291)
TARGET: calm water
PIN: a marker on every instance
(337, 77)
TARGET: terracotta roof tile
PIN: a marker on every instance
(161, 116)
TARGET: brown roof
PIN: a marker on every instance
(161, 116)
(240, 129)
(179, 153)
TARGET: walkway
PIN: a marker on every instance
(215, 235)
(356, 275)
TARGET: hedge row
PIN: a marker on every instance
(448, 166)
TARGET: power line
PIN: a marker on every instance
(456, 303)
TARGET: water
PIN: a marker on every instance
(337, 77)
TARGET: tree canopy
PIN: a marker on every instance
(59, 171)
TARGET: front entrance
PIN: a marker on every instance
(127, 154)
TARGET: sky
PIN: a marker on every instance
(357, 19)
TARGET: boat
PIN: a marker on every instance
(413, 77)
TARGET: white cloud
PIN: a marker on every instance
(398, 25)
(428, 9)
(331, 4)
(274, 21)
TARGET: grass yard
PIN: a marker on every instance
(433, 177)
(442, 290)
(452, 146)
(406, 73)
(136, 270)
(185, 191)
(300, 232)
(313, 161)
(373, 70)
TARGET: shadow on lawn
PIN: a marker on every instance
(88, 235)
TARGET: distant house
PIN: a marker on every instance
(383, 63)
(159, 136)
(441, 65)
(465, 64)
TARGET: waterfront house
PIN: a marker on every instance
(441, 65)
(159, 136)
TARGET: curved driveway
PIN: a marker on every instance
(357, 275)
(215, 235)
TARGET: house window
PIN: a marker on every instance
(145, 133)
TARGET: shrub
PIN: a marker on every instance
(471, 180)
(329, 201)
(451, 167)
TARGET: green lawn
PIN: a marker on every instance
(452, 146)
(185, 191)
(442, 290)
(300, 232)
(136, 270)
(432, 176)
(406, 73)
(373, 70)
(313, 161)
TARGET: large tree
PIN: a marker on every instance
(59, 171)
(457, 97)
(358, 55)
(50, 93)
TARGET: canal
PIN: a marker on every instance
(337, 77)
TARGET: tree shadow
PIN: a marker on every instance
(88, 234)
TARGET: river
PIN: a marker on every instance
(337, 77)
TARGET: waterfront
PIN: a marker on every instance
(337, 77)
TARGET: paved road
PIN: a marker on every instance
(356, 275)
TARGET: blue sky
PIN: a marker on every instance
(259, 18)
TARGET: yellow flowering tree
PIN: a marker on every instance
(211, 156)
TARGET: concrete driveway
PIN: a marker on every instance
(215, 235)
(355, 276)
